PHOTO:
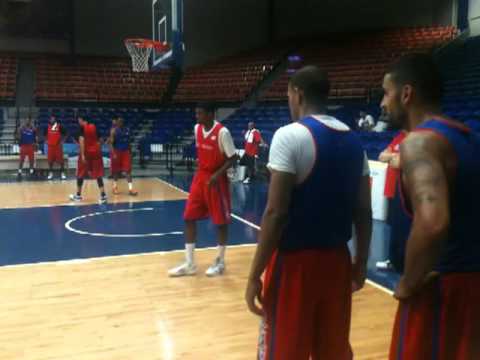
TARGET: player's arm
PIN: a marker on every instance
(386, 155)
(81, 143)
(260, 139)
(111, 140)
(18, 132)
(228, 148)
(282, 166)
(274, 219)
(362, 221)
(425, 180)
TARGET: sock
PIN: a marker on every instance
(130, 186)
(221, 252)
(103, 194)
(19, 170)
(189, 251)
(79, 193)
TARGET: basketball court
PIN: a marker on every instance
(90, 281)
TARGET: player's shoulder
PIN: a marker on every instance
(332, 122)
(417, 143)
(293, 131)
(224, 129)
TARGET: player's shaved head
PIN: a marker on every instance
(308, 92)
(314, 84)
(420, 72)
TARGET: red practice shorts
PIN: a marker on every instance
(123, 161)
(205, 201)
(307, 299)
(442, 322)
(55, 154)
(113, 164)
(27, 150)
(92, 165)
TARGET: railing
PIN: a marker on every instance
(173, 156)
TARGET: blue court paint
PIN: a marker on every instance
(38, 234)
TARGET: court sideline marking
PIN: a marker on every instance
(368, 281)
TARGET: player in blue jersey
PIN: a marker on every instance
(439, 292)
(27, 139)
(120, 139)
(319, 186)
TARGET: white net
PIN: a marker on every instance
(140, 55)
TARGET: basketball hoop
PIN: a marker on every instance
(140, 51)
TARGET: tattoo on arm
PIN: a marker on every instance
(423, 173)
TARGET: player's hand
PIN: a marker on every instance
(405, 291)
(359, 274)
(213, 180)
(254, 292)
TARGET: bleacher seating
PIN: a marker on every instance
(169, 124)
(8, 76)
(97, 79)
(268, 118)
(462, 75)
(357, 62)
(228, 79)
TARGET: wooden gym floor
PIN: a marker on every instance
(110, 298)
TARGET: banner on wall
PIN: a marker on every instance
(378, 174)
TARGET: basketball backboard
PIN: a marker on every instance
(167, 26)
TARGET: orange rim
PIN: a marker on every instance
(147, 43)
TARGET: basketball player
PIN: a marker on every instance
(113, 162)
(56, 135)
(439, 291)
(209, 193)
(319, 186)
(27, 138)
(253, 139)
(121, 155)
(90, 160)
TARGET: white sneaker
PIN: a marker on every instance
(75, 197)
(384, 265)
(246, 181)
(185, 269)
(103, 199)
(50, 176)
(31, 171)
(218, 268)
(20, 173)
(64, 177)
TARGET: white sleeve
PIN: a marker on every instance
(226, 144)
(366, 167)
(282, 152)
(195, 128)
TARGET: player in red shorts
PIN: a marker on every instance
(319, 186)
(439, 292)
(121, 155)
(90, 161)
(113, 163)
(27, 138)
(209, 193)
(56, 135)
